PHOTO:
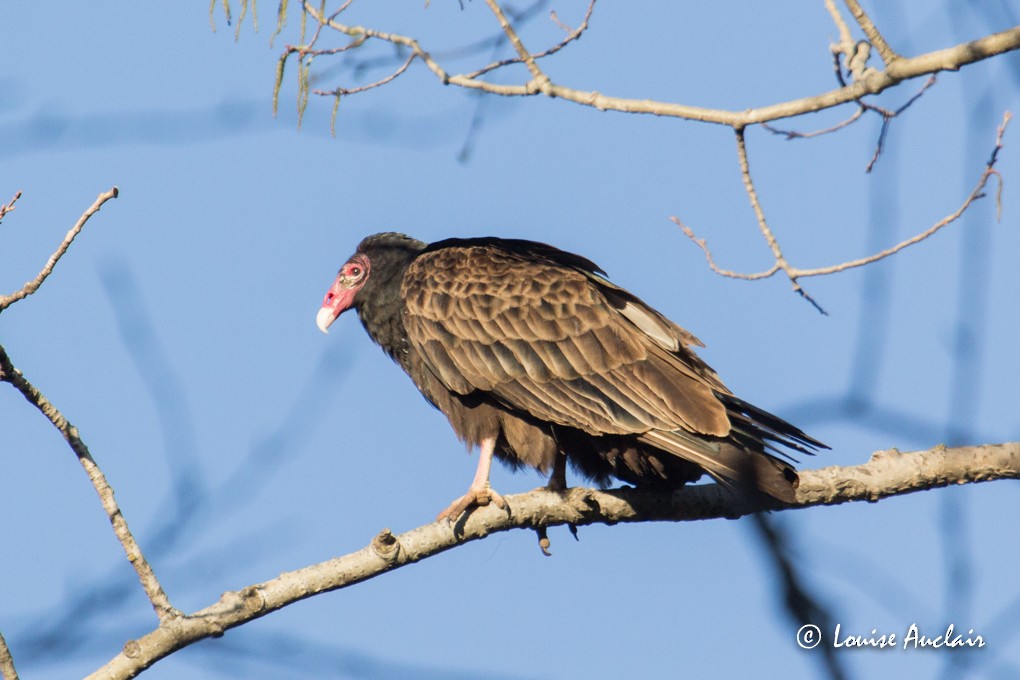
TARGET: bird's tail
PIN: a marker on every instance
(742, 470)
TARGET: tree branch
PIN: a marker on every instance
(876, 39)
(888, 473)
(572, 35)
(33, 285)
(151, 585)
(862, 107)
(537, 75)
(795, 273)
(10, 374)
(763, 226)
(7, 670)
(977, 193)
(865, 81)
(898, 70)
(9, 206)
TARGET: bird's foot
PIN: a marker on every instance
(476, 495)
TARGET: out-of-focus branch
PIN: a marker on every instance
(802, 606)
(33, 285)
(888, 473)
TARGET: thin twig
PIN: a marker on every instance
(862, 107)
(7, 670)
(33, 285)
(763, 226)
(977, 193)
(472, 48)
(752, 194)
(701, 243)
(151, 585)
(571, 37)
(794, 134)
(343, 91)
(364, 33)
(306, 50)
(9, 374)
(795, 273)
(887, 117)
(9, 206)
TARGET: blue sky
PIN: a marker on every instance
(178, 335)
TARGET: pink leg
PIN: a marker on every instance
(479, 493)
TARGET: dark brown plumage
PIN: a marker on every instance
(538, 359)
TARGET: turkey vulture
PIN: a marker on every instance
(536, 358)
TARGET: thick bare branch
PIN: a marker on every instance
(151, 585)
(949, 59)
(33, 285)
(897, 71)
(888, 473)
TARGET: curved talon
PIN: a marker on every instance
(474, 496)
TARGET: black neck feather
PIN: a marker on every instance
(379, 302)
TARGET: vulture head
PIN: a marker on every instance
(372, 273)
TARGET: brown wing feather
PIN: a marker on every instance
(544, 338)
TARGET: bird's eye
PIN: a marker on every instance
(354, 270)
